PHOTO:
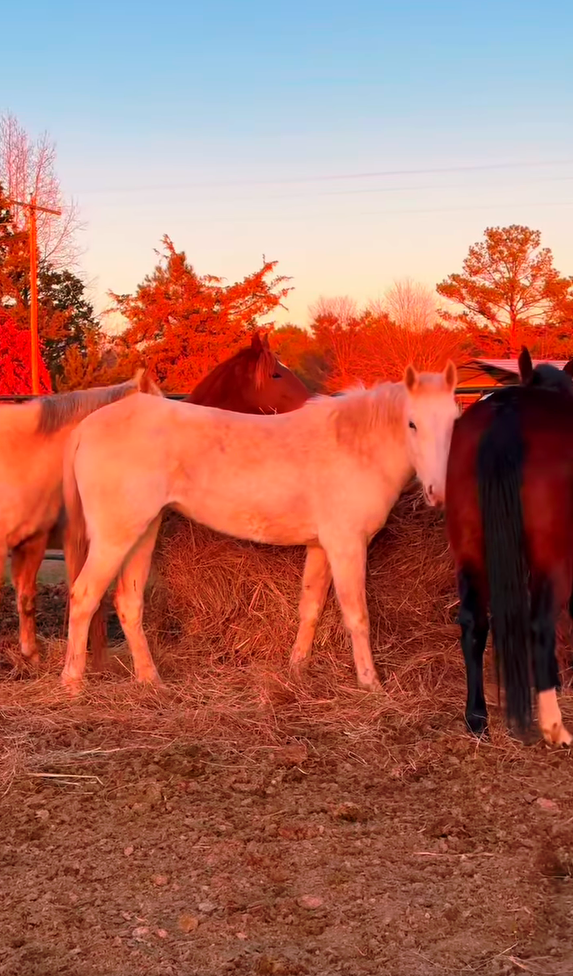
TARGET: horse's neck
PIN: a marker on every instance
(399, 465)
(224, 399)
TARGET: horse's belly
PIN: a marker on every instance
(32, 514)
(277, 531)
(287, 527)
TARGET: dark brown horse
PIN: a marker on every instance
(251, 381)
(544, 374)
(509, 517)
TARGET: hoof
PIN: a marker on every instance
(298, 669)
(73, 686)
(558, 736)
(374, 685)
(32, 663)
(151, 682)
(477, 725)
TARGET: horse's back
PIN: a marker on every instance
(273, 478)
(543, 422)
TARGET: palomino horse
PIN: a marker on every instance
(251, 381)
(32, 439)
(509, 517)
(324, 476)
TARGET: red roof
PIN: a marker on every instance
(512, 365)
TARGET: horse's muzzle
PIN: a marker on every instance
(432, 497)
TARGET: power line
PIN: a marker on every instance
(277, 218)
(478, 167)
(370, 191)
(408, 189)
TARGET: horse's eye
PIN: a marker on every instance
(277, 376)
(412, 425)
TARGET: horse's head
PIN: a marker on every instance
(266, 385)
(431, 411)
(545, 375)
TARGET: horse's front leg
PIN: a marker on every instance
(129, 601)
(347, 557)
(26, 561)
(98, 572)
(315, 583)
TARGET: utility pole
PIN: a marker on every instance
(33, 208)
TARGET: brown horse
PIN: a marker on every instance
(509, 517)
(32, 440)
(251, 381)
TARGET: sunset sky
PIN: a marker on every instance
(354, 142)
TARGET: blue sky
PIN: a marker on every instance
(245, 128)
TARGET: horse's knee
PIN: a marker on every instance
(129, 609)
(356, 619)
(27, 604)
(82, 605)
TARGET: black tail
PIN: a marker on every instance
(500, 472)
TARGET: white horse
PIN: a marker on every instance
(324, 476)
(32, 441)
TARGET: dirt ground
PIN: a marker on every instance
(275, 830)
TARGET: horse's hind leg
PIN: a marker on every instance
(26, 561)
(474, 630)
(129, 601)
(99, 570)
(315, 583)
(545, 668)
(97, 637)
(348, 564)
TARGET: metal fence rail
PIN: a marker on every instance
(22, 397)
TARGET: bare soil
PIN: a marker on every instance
(278, 833)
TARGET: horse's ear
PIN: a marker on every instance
(146, 383)
(525, 365)
(568, 368)
(265, 342)
(411, 378)
(256, 344)
(451, 375)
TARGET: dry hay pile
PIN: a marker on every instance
(219, 600)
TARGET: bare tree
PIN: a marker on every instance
(410, 304)
(342, 309)
(27, 167)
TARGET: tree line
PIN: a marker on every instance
(181, 324)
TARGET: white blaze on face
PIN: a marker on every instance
(431, 411)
